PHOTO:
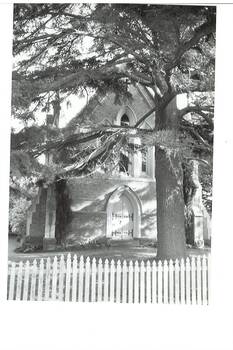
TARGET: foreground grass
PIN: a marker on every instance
(127, 253)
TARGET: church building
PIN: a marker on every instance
(117, 207)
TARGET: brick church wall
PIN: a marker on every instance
(89, 198)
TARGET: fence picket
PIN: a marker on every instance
(193, 280)
(118, 282)
(80, 282)
(160, 282)
(12, 281)
(47, 279)
(100, 275)
(130, 289)
(93, 280)
(61, 278)
(74, 278)
(187, 281)
(112, 281)
(136, 282)
(68, 273)
(87, 280)
(124, 282)
(177, 282)
(171, 282)
(142, 282)
(208, 281)
(182, 282)
(54, 280)
(33, 280)
(106, 279)
(204, 281)
(26, 280)
(41, 280)
(19, 281)
(148, 282)
(165, 282)
(199, 272)
(154, 282)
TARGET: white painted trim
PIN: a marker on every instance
(137, 210)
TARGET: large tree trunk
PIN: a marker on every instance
(170, 206)
(169, 184)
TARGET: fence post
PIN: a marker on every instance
(19, 281)
(154, 282)
(182, 282)
(160, 282)
(118, 282)
(33, 280)
(165, 282)
(47, 279)
(100, 273)
(177, 282)
(61, 278)
(142, 282)
(171, 282)
(112, 281)
(130, 290)
(148, 282)
(208, 280)
(80, 282)
(124, 282)
(136, 282)
(26, 279)
(68, 271)
(87, 280)
(187, 280)
(199, 272)
(204, 280)
(54, 279)
(12, 281)
(74, 278)
(41, 280)
(106, 279)
(93, 280)
(193, 280)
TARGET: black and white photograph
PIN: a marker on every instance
(112, 128)
(116, 175)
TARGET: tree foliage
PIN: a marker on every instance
(71, 48)
(169, 49)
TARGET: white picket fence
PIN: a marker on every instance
(86, 280)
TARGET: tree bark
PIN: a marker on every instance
(170, 199)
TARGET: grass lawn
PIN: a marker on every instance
(128, 253)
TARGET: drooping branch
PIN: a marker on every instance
(198, 110)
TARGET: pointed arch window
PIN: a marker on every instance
(144, 161)
(124, 163)
(124, 120)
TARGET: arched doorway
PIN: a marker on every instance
(123, 215)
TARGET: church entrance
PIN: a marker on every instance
(122, 220)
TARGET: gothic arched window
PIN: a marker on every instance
(124, 163)
(124, 120)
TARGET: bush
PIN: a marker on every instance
(18, 215)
